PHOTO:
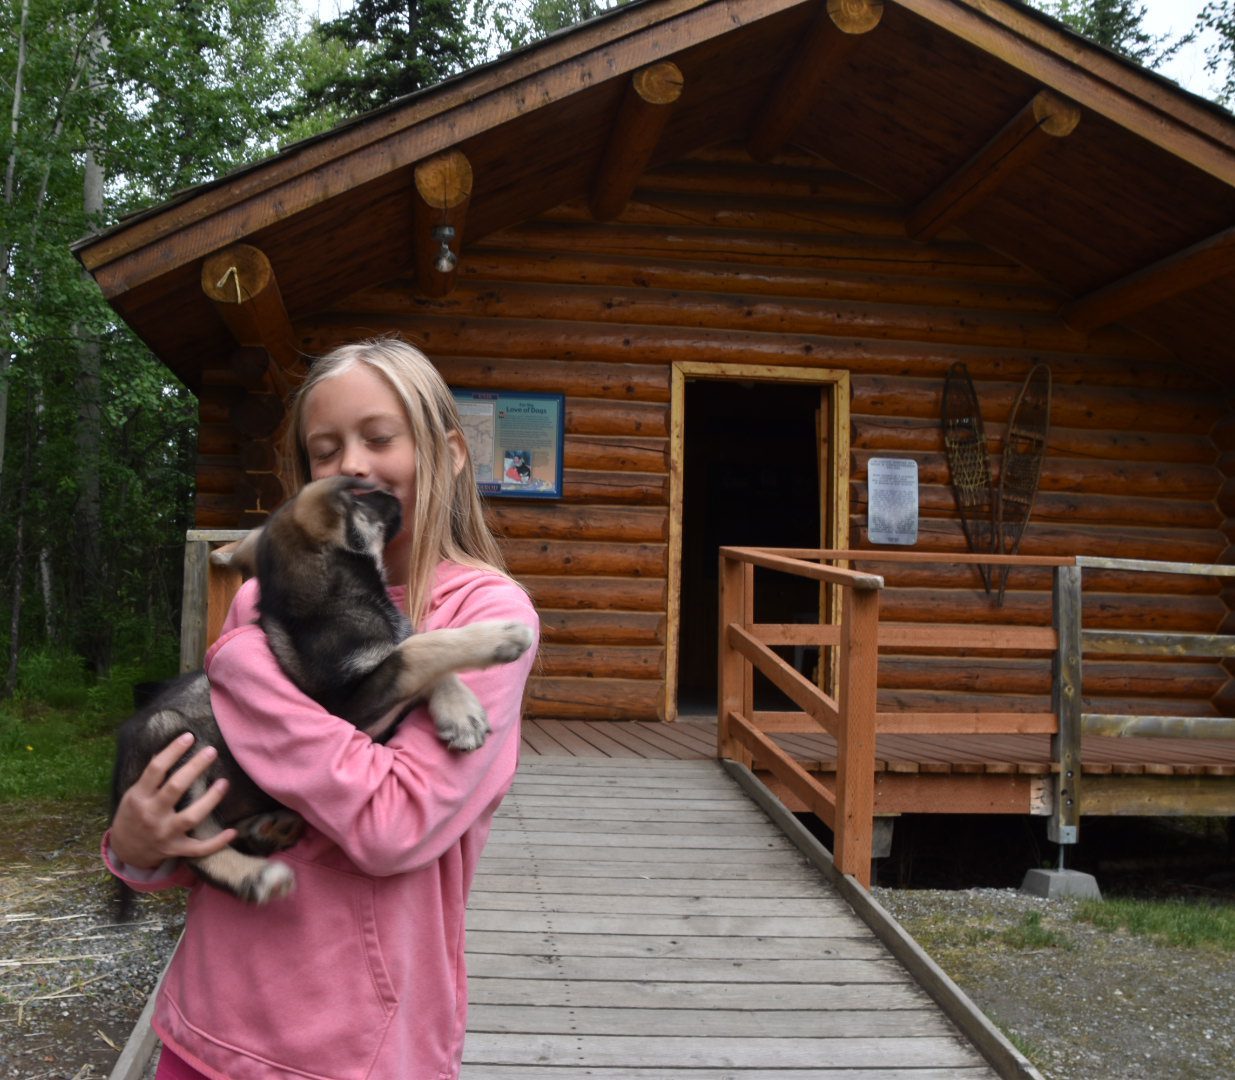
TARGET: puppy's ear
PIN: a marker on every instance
(239, 554)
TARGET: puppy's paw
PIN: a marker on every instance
(468, 735)
(274, 831)
(459, 717)
(514, 639)
(274, 880)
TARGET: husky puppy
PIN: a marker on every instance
(335, 632)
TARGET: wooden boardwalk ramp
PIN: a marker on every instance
(644, 919)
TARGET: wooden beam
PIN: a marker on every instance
(1184, 271)
(1046, 117)
(833, 34)
(443, 191)
(649, 99)
(240, 282)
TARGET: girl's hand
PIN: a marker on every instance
(148, 829)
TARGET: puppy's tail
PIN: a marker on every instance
(124, 902)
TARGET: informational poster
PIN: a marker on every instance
(892, 490)
(515, 440)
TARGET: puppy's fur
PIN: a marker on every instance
(335, 632)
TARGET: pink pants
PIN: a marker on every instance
(173, 1067)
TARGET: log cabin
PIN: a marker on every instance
(747, 242)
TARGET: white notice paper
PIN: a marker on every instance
(892, 489)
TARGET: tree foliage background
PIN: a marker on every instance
(109, 106)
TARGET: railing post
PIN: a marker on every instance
(855, 749)
(734, 674)
(1064, 826)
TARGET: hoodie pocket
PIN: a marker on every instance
(299, 984)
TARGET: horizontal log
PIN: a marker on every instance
(1190, 545)
(1180, 614)
(218, 440)
(1130, 408)
(215, 403)
(602, 269)
(924, 435)
(595, 699)
(443, 336)
(964, 637)
(621, 382)
(1074, 476)
(559, 521)
(217, 476)
(596, 593)
(585, 557)
(779, 315)
(596, 416)
(1016, 675)
(643, 489)
(259, 455)
(1080, 506)
(888, 255)
(617, 453)
(601, 627)
(602, 661)
(257, 415)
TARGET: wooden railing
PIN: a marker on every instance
(854, 634)
(849, 715)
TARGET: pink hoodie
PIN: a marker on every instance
(360, 972)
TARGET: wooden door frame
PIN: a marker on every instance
(834, 481)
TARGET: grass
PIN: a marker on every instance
(1030, 934)
(1185, 924)
(52, 753)
(57, 733)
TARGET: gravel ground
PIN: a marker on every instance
(1082, 1003)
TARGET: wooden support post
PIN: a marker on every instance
(734, 669)
(855, 737)
(836, 30)
(443, 191)
(1024, 137)
(1064, 826)
(240, 282)
(1182, 272)
(649, 99)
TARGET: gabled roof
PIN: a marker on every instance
(1130, 213)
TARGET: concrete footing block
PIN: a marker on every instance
(1053, 884)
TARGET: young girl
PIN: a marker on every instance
(359, 972)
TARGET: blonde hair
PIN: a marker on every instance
(448, 520)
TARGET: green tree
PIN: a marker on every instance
(110, 105)
(514, 24)
(1118, 25)
(396, 47)
(1219, 17)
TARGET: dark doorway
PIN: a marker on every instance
(751, 478)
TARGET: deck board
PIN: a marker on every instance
(637, 916)
(694, 738)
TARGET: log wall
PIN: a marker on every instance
(717, 259)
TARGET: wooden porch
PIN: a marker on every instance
(952, 774)
(636, 914)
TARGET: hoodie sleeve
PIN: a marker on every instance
(393, 807)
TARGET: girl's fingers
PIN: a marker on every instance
(161, 764)
(175, 786)
(201, 808)
(195, 849)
